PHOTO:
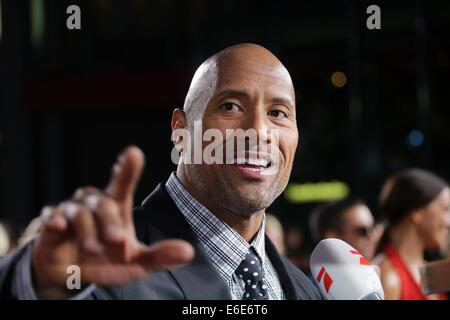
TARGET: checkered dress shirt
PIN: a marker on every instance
(222, 244)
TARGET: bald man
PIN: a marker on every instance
(199, 235)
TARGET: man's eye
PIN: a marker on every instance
(277, 114)
(229, 106)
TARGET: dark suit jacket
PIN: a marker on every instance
(158, 218)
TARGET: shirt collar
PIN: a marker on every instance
(223, 245)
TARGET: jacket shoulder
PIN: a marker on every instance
(302, 283)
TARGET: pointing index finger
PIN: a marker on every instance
(125, 177)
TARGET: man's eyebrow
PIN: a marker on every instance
(284, 101)
(233, 93)
(243, 94)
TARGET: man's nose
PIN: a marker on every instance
(258, 120)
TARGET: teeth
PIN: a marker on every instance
(258, 162)
(253, 161)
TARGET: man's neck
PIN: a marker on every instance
(246, 226)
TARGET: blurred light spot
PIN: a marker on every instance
(37, 23)
(415, 138)
(339, 79)
(319, 191)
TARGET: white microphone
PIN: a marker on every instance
(342, 273)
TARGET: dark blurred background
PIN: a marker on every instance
(369, 102)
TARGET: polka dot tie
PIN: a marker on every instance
(250, 272)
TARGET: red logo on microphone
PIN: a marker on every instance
(362, 260)
(327, 281)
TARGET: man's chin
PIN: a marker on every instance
(251, 194)
(252, 189)
(252, 199)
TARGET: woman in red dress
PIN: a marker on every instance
(416, 206)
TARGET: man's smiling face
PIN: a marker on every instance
(247, 88)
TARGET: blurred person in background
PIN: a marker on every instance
(5, 242)
(274, 230)
(349, 220)
(295, 249)
(446, 252)
(415, 204)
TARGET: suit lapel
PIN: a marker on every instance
(198, 277)
(201, 277)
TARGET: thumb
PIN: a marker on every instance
(125, 175)
(165, 254)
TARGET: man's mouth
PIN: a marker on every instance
(252, 159)
(258, 163)
(252, 165)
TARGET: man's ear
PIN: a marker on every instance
(179, 119)
(179, 125)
